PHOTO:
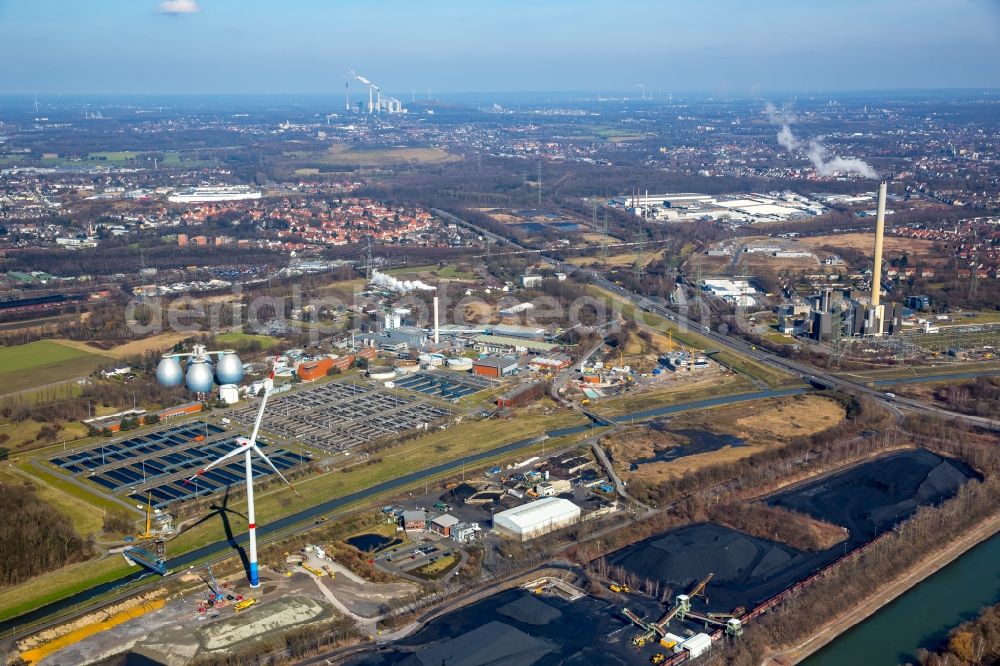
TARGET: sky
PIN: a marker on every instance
(720, 47)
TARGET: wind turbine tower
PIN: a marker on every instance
(247, 447)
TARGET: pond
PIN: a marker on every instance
(698, 441)
(368, 543)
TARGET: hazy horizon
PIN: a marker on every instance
(723, 49)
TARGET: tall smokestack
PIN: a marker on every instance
(879, 233)
(437, 330)
(347, 96)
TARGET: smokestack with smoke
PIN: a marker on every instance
(814, 149)
(399, 286)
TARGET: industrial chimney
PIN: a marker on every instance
(437, 332)
(876, 318)
(879, 233)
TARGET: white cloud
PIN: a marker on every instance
(176, 7)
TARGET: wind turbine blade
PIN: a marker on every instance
(260, 413)
(276, 471)
(260, 417)
(235, 452)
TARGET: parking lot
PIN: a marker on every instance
(158, 463)
(336, 416)
(426, 548)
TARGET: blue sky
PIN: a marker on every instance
(285, 46)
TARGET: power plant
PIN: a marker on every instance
(376, 102)
(853, 313)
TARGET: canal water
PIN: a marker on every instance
(923, 616)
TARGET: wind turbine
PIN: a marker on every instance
(246, 447)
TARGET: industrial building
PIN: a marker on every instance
(500, 344)
(495, 366)
(536, 518)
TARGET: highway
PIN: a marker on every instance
(805, 371)
(808, 372)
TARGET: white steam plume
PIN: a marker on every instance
(817, 153)
(400, 286)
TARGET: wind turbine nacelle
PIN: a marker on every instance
(200, 377)
(169, 372)
(229, 369)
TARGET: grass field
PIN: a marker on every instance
(87, 519)
(446, 272)
(266, 341)
(160, 343)
(894, 246)
(674, 394)
(22, 433)
(344, 155)
(928, 371)
(45, 362)
(436, 569)
(627, 259)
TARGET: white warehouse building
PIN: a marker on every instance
(536, 518)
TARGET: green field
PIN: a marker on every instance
(344, 155)
(44, 362)
(118, 158)
(446, 272)
(266, 341)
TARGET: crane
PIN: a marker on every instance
(213, 585)
(148, 534)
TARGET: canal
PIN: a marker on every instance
(923, 616)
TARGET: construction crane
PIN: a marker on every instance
(148, 534)
(213, 585)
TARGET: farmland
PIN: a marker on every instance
(44, 362)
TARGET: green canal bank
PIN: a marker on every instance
(915, 611)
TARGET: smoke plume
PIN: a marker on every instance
(814, 149)
(399, 286)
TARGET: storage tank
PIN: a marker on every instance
(460, 363)
(431, 360)
(405, 367)
(229, 369)
(381, 373)
(200, 377)
(229, 394)
(169, 372)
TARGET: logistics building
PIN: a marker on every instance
(536, 518)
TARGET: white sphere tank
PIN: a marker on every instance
(460, 363)
(200, 377)
(169, 372)
(229, 369)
